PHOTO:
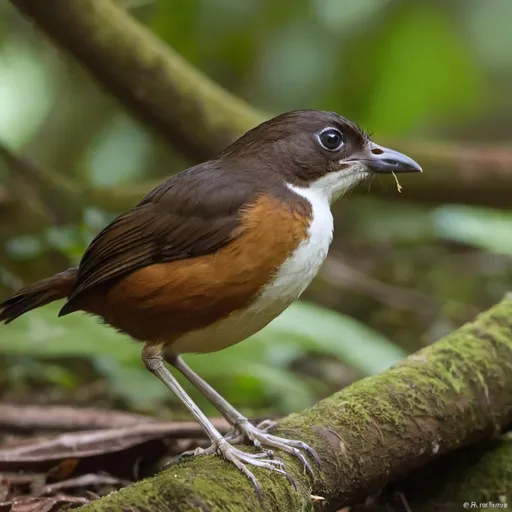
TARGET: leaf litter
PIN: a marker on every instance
(68, 469)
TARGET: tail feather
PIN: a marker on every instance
(38, 294)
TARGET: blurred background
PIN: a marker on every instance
(402, 272)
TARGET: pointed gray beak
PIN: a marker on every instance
(383, 160)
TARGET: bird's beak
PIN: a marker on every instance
(383, 160)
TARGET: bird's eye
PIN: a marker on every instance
(330, 139)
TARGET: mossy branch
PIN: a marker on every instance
(155, 83)
(446, 396)
(199, 118)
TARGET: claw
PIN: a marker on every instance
(261, 438)
(303, 446)
(266, 425)
(290, 479)
(241, 459)
(272, 465)
(197, 451)
(232, 434)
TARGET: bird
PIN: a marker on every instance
(216, 252)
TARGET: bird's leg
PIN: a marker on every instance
(257, 434)
(153, 359)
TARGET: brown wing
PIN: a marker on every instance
(192, 214)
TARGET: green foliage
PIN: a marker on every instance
(26, 93)
(484, 228)
(176, 24)
(416, 69)
(403, 223)
(318, 330)
(480, 227)
(258, 368)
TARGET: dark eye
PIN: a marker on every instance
(331, 139)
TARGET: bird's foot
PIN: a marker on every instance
(242, 459)
(236, 435)
(266, 425)
(261, 439)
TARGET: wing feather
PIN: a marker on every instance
(194, 213)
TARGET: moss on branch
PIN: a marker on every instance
(446, 396)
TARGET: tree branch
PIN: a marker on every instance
(200, 118)
(451, 394)
(155, 83)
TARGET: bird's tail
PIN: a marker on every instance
(37, 294)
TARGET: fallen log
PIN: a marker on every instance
(447, 396)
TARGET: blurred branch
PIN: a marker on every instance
(66, 134)
(47, 450)
(29, 209)
(56, 417)
(456, 173)
(453, 174)
(5, 198)
(159, 87)
(59, 417)
(23, 166)
(23, 190)
(200, 118)
(32, 186)
(449, 395)
(337, 273)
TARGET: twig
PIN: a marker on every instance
(87, 480)
(96, 442)
(19, 164)
(341, 275)
(53, 417)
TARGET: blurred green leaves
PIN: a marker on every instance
(322, 331)
(26, 92)
(259, 367)
(489, 26)
(421, 69)
(484, 228)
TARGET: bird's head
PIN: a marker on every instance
(318, 150)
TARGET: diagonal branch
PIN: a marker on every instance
(200, 118)
(451, 394)
(155, 83)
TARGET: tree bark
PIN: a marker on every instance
(451, 394)
(200, 118)
(480, 474)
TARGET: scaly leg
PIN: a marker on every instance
(152, 357)
(258, 435)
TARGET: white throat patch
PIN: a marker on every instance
(333, 184)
